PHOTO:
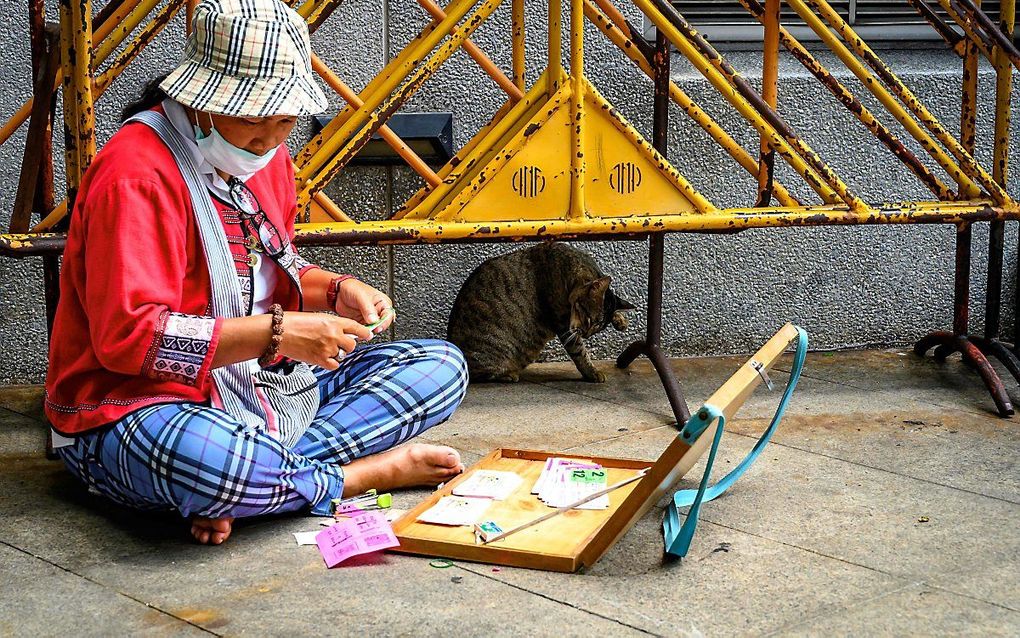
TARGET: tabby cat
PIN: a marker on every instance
(513, 305)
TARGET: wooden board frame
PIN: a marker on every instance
(577, 538)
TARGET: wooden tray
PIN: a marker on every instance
(563, 543)
(577, 538)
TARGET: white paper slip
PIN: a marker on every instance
(569, 482)
(305, 538)
(537, 488)
(488, 484)
(456, 510)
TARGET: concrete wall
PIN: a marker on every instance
(849, 287)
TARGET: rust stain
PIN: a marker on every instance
(208, 618)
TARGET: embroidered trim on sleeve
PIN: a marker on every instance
(183, 344)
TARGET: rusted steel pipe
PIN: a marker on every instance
(479, 56)
(857, 108)
(517, 41)
(904, 94)
(999, 351)
(79, 128)
(1000, 168)
(1002, 40)
(392, 139)
(103, 82)
(318, 12)
(961, 283)
(651, 346)
(769, 93)
(739, 93)
(632, 44)
(946, 343)
(577, 123)
(325, 143)
(875, 86)
(35, 183)
(131, 51)
(970, 31)
(357, 131)
(554, 42)
(108, 17)
(952, 38)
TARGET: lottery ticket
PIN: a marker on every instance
(361, 534)
(456, 510)
(488, 484)
(565, 481)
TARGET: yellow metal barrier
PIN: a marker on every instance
(558, 160)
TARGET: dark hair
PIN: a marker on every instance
(150, 96)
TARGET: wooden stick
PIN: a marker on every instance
(566, 508)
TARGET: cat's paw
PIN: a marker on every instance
(619, 321)
(598, 377)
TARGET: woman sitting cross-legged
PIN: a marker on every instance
(192, 366)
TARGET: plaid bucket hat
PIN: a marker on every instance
(246, 58)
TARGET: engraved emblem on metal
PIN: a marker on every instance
(625, 178)
(528, 181)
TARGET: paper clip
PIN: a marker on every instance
(370, 500)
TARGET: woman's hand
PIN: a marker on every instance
(358, 301)
(320, 339)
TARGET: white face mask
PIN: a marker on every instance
(228, 158)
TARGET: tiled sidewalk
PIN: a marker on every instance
(888, 504)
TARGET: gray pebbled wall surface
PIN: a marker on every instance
(848, 286)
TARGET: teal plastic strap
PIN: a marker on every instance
(678, 537)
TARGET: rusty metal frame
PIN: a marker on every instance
(443, 210)
(974, 348)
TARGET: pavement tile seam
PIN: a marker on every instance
(622, 404)
(822, 611)
(883, 596)
(479, 572)
(913, 582)
(968, 596)
(72, 572)
(618, 437)
(814, 453)
(969, 409)
(878, 469)
(4, 411)
(842, 609)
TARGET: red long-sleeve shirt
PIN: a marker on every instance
(134, 324)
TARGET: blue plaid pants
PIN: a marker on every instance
(200, 461)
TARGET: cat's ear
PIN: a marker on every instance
(592, 290)
(597, 289)
(623, 304)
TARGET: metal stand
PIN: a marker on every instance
(651, 346)
(972, 348)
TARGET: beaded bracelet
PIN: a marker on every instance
(333, 290)
(273, 349)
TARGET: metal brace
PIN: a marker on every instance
(763, 373)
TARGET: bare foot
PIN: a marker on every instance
(211, 531)
(406, 466)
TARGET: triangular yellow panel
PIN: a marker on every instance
(530, 180)
(534, 183)
(623, 176)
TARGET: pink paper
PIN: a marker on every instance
(362, 534)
